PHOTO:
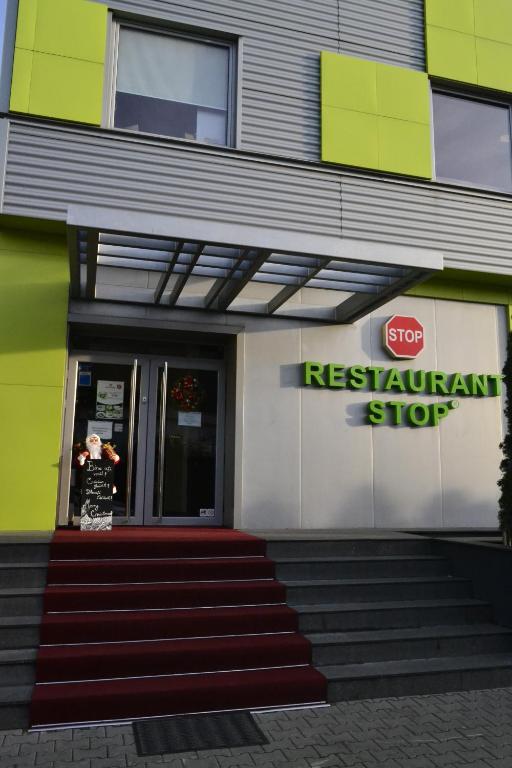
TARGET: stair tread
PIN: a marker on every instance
(133, 561)
(15, 694)
(102, 661)
(405, 667)
(22, 566)
(357, 559)
(128, 698)
(14, 591)
(97, 687)
(19, 621)
(163, 585)
(373, 582)
(130, 615)
(175, 646)
(407, 633)
(388, 605)
(17, 655)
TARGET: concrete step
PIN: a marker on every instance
(24, 549)
(18, 667)
(417, 676)
(385, 566)
(22, 574)
(330, 546)
(372, 590)
(21, 601)
(19, 632)
(346, 617)
(15, 707)
(415, 643)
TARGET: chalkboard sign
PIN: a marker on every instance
(97, 490)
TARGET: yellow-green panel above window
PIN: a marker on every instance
(375, 116)
(470, 41)
(59, 59)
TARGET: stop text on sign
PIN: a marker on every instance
(404, 337)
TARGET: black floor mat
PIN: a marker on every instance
(196, 732)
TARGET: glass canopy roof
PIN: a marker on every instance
(221, 277)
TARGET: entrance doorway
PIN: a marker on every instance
(165, 418)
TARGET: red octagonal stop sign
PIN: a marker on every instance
(404, 336)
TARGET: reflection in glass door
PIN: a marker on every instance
(164, 418)
(187, 467)
(106, 403)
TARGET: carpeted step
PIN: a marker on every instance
(146, 625)
(61, 703)
(154, 542)
(118, 571)
(168, 657)
(180, 595)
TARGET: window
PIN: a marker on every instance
(472, 142)
(174, 86)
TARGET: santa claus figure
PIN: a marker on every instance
(94, 449)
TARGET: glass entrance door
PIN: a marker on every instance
(185, 433)
(164, 419)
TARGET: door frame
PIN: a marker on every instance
(147, 371)
(150, 517)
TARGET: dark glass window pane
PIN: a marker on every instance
(170, 118)
(472, 142)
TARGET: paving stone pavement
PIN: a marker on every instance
(456, 730)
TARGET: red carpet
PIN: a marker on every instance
(142, 622)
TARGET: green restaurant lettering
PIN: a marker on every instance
(377, 379)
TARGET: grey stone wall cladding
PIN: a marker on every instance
(274, 178)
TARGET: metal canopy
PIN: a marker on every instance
(222, 277)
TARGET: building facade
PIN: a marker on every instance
(209, 212)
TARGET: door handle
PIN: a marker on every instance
(161, 447)
(131, 429)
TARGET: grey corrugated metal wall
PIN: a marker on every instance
(50, 166)
(473, 229)
(282, 41)
(281, 46)
(391, 31)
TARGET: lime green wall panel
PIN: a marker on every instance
(470, 41)
(451, 14)
(375, 116)
(461, 286)
(63, 61)
(493, 20)
(26, 26)
(349, 83)
(21, 77)
(73, 29)
(403, 94)
(68, 102)
(494, 64)
(451, 55)
(404, 147)
(350, 138)
(31, 416)
(34, 284)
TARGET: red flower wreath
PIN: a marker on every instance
(187, 393)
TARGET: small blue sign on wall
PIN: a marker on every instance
(85, 378)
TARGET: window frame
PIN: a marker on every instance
(231, 44)
(493, 99)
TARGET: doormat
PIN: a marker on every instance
(196, 732)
